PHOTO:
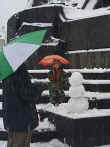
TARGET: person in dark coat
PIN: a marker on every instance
(58, 82)
(19, 111)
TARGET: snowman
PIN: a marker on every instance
(77, 102)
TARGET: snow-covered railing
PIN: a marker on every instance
(89, 95)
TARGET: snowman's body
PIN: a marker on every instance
(77, 102)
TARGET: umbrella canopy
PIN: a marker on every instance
(48, 60)
(17, 52)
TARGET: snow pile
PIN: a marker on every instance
(46, 107)
(60, 109)
(52, 143)
(45, 125)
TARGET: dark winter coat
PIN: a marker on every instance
(57, 86)
(20, 97)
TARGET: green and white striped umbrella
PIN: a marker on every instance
(17, 51)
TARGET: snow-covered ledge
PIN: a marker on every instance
(59, 110)
(88, 94)
(83, 70)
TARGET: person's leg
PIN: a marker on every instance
(10, 139)
(27, 139)
(61, 96)
(19, 139)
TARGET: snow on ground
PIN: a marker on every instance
(55, 143)
(52, 143)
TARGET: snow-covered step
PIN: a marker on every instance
(1, 125)
(96, 82)
(98, 100)
(84, 70)
(88, 94)
(95, 73)
(1, 91)
(84, 81)
(90, 85)
(88, 51)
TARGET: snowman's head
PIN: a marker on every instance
(76, 79)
